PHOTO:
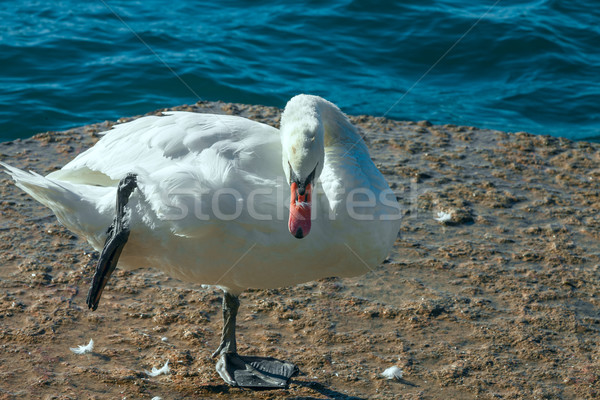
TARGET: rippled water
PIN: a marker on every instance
(526, 65)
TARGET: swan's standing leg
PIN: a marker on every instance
(230, 308)
(247, 371)
(118, 233)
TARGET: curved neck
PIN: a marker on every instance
(339, 131)
(313, 110)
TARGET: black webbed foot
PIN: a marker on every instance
(118, 233)
(247, 371)
(255, 372)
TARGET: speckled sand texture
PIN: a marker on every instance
(497, 301)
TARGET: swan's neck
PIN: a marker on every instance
(324, 118)
(338, 130)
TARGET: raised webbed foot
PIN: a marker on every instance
(117, 236)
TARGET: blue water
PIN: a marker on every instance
(515, 66)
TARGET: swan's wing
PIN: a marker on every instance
(194, 170)
(213, 143)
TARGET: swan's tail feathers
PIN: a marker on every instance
(78, 207)
(49, 192)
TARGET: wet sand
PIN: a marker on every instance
(498, 302)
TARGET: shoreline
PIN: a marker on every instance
(499, 301)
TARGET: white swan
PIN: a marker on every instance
(204, 198)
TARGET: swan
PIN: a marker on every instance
(222, 200)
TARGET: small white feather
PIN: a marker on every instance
(157, 398)
(84, 349)
(392, 373)
(164, 370)
(443, 216)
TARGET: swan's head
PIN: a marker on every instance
(303, 155)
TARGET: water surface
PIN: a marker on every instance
(515, 66)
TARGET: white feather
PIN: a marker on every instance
(392, 373)
(84, 349)
(156, 371)
(443, 216)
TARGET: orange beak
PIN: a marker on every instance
(300, 207)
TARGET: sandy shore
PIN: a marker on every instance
(499, 302)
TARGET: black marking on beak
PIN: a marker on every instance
(299, 234)
(302, 185)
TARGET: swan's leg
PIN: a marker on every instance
(230, 308)
(118, 233)
(246, 371)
